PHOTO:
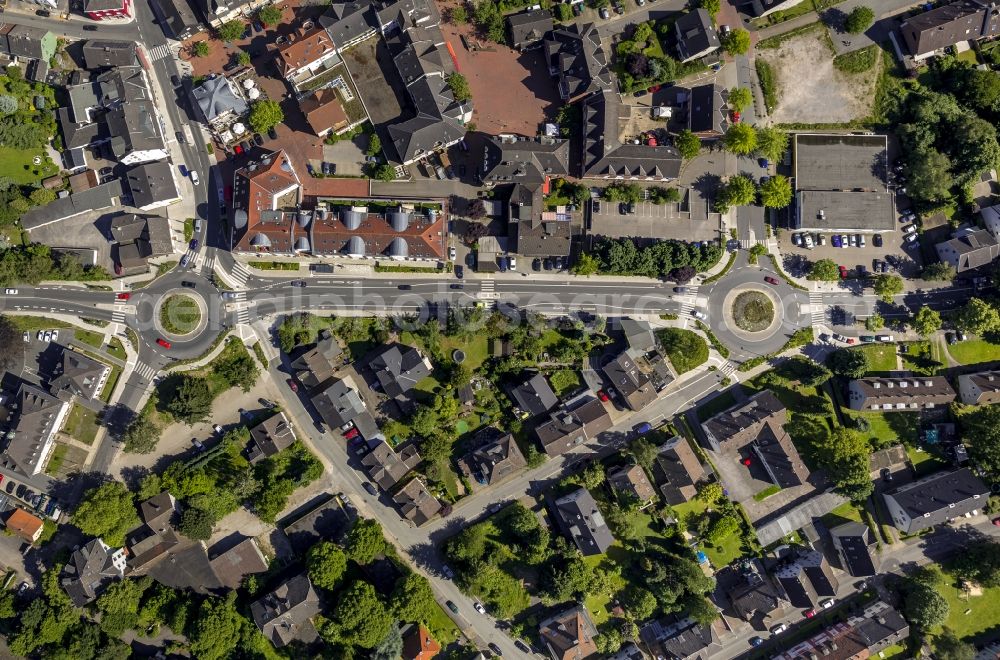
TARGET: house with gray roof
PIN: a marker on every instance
(938, 28)
(935, 499)
(493, 461)
(136, 133)
(606, 155)
(969, 250)
(806, 578)
(677, 471)
(416, 503)
(581, 520)
(533, 396)
(286, 613)
(681, 638)
(708, 115)
(140, 238)
(328, 520)
(218, 102)
(531, 230)
(399, 368)
(866, 634)
(97, 198)
(387, 467)
(33, 427)
(235, 558)
(854, 544)
(907, 394)
(576, 57)
(350, 23)
(527, 28)
(340, 404)
(101, 53)
(91, 570)
(980, 388)
(696, 35)
(152, 185)
(31, 43)
(574, 424)
(754, 597)
(633, 384)
(179, 19)
(78, 375)
(318, 364)
(530, 161)
(269, 437)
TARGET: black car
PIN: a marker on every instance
(175, 80)
(271, 133)
(245, 145)
(328, 168)
(877, 240)
(547, 263)
(619, 9)
(187, 284)
(20, 490)
(496, 649)
(10, 486)
(298, 283)
(451, 606)
(258, 140)
(90, 28)
(44, 13)
(106, 171)
(459, 272)
(622, 208)
(521, 646)
(948, 336)
(456, 286)
(370, 489)
(258, 27)
(886, 474)
(194, 244)
(247, 33)
(536, 264)
(231, 65)
(404, 287)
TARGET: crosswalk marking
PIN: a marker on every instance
(159, 52)
(728, 369)
(689, 299)
(240, 273)
(145, 371)
(243, 315)
(210, 262)
(118, 317)
(816, 308)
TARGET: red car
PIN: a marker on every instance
(118, 269)
(654, 88)
(293, 385)
(163, 342)
(810, 613)
(843, 272)
(123, 296)
(350, 435)
(238, 149)
(996, 521)
(603, 396)
(736, 117)
(771, 280)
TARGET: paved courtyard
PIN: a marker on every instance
(653, 221)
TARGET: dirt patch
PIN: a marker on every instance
(811, 90)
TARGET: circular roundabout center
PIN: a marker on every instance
(752, 311)
(180, 314)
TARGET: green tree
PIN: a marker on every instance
(978, 316)
(924, 607)
(874, 322)
(981, 429)
(107, 511)
(926, 321)
(390, 648)
(458, 15)
(412, 599)
(845, 454)
(887, 287)
(736, 42)
(236, 367)
(360, 617)
(658, 195)
(979, 562)
(200, 49)
(740, 99)
(374, 145)
(7, 610)
(586, 264)
(217, 630)
(42, 196)
(365, 541)
(459, 86)
(8, 104)
(947, 646)
(849, 363)
(711, 492)
(638, 601)
(939, 271)
(119, 605)
(711, 6)
(141, 435)
(722, 527)
(196, 524)
(859, 20)
(326, 564)
(265, 114)
(231, 30)
(644, 452)
(192, 401)
(382, 172)
(771, 143)
(567, 577)
(688, 144)
(931, 175)
(269, 15)
(740, 139)
(243, 58)
(776, 192)
(738, 191)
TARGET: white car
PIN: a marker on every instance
(909, 229)
(911, 238)
(701, 316)
(479, 607)
(40, 336)
(47, 337)
(808, 241)
(821, 239)
(217, 428)
(780, 628)
(26, 337)
(852, 241)
(11, 292)
(837, 337)
(513, 263)
(55, 335)
(827, 604)
(797, 239)
(194, 178)
(861, 240)
(452, 253)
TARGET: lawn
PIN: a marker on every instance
(722, 402)
(115, 349)
(597, 604)
(81, 424)
(983, 611)
(844, 513)
(888, 428)
(564, 381)
(924, 462)
(90, 338)
(476, 349)
(180, 314)
(56, 460)
(33, 323)
(721, 555)
(17, 164)
(923, 357)
(767, 492)
(974, 351)
(881, 357)
(686, 349)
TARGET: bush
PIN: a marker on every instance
(859, 20)
(686, 349)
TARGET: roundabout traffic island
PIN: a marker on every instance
(752, 311)
(180, 314)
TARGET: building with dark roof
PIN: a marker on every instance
(31, 43)
(530, 161)
(90, 571)
(78, 375)
(853, 542)
(696, 35)
(680, 639)
(93, 199)
(806, 577)
(266, 194)
(938, 28)
(631, 481)
(581, 520)
(569, 635)
(910, 394)
(979, 388)
(634, 385)
(100, 53)
(286, 613)
(33, 427)
(754, 597)
(606, 155)
(155, 538)
(387, 467)
(152, 185)
(527, 29)
(742, 423)
(708, 116)
(576, 423)
(218, 101)
(494, 461)
(269, 437)
(533, 396)
(935, 499)
(677, 471)
(341, 404)
(531, 230)
(416, 503)
(577, 59)
(969, 251)
(179, 18)
(350, 23)
(867, 635)
(139, 238)
(327, 521)
(318, 364)
(399, 368)
(232, 560)
(136, 133)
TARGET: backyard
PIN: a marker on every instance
(721, 554)
(974, 351)
(881, 357)
(81, 424)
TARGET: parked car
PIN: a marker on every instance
(603, 396)
(451, 606)
(835, 240)
(258, 27)
(175, 80)
(452, 253)
(258, 140)
(701, 316)
(217, 428)
(496, 649)
(877, 240)
(643, 428)
(797, 239)
(271, 133)
(844, 241)
(867, 339)
(198, 444)
(351, 434)
(327, 168)
(479, 607)
(756, 641)
(26, 337)
(521, 646)
(810, 613)
(885, 339)
(163, 342)
(536, 265)
(231, 65)
(194, 178)
(370, 489)
(909, 229)
(843, 272)
(911, 238)
(605, 14)
(292, 385)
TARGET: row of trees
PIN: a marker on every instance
(675, 260)
(740, 190)
(30, 264)
(632, 193)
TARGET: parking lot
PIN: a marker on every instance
(903, 257)
(661, 221)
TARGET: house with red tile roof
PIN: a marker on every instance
(418, 643)
(266, 195)
(25, 525)
(363, 230)
(305, 53)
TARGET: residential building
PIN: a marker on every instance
(806, 577)
(30, 43)
(217, 12)
(101, 53)
(136, 133)
(416, 503)
(569, 635)
(265, 195)
(178, 18)
(93, 199)
(867, 635)
(33, 426)
(152, 185)
(99, 10)
(269, 437)
(318, 364)
(935, 499)
(305, 54)
(610, 154)
(155, 538)
(324, 112)
(631, 482)
(853, 542)
(755, 598)
(418, 644)
(696, 35)
(891, 458)
(405, 232)
(352, 22)
(531, 230)
(646, 353)
(936, 29)
(90, 571)
(78, 375)
(678, 470)
(577, 59)
(969, 250)
(386, 467)
(533, 396)
(991, 218)
(628, 651)
(286, 613)
(979, 388)
(218, 101)
(529, 161)
(236, 558)
(581, 520)
(575, 424)
(680, 639)
(708, 115)
(911, 393)
(840, 183)
(340, 404)
(139, 238)
(25, 525)
(634, 385)
(399, 368)
(528, 28)
(494, 461)
(327, 521)
(761, 8)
